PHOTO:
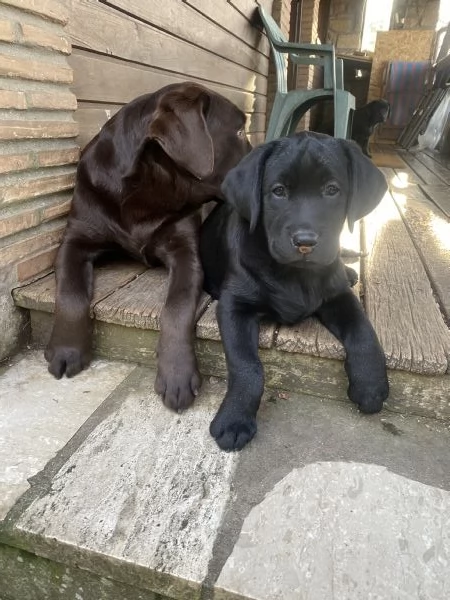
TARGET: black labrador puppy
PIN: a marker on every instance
(365, 121)
(273, 249)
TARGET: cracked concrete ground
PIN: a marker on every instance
(105, 494)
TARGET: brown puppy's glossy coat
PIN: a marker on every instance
(139, 183)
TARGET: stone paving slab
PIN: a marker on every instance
(38, 415)
(140, 504)
(343, 530)
(146, 487)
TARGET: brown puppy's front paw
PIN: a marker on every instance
(232, 432)
(66, 360)
(177, 385)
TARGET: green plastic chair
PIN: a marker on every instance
(290, 106)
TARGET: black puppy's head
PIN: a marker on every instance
(377, 111)
(301, 189)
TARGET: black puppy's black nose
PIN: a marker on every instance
(304, 238)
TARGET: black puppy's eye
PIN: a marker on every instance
(279, 191)
(332, 189)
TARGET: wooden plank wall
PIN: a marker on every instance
(125, 48)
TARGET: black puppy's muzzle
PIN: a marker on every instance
(304, 240)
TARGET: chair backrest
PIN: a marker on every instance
(304, 54)
(275, 35)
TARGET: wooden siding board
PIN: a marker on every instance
(105, 79)
(179, 19)
(99, 28)
(227, 16)
(92, 117)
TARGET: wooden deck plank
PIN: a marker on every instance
(442, 172)
(419, 168)
(442, 159)
(430, 232)
(208, 328)
(398, 296)
(140, 302)
(440, 195)
(40, 295)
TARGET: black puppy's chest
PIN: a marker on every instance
(293, 300)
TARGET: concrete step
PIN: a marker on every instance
(107, 495)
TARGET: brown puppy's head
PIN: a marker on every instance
(300, 190)
(201, 131)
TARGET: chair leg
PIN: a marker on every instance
(344, 104)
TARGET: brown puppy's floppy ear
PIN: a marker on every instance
(367, 184)
(179, 126)
(242, 186)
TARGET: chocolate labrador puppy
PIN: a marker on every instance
(139, 182)
(273, 249)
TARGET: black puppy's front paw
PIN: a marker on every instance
(66, 360)
(232, 431)
(369, 397)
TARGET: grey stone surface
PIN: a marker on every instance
(38, 415)
(146, 488)
(24, 576)
(343, 531)
(13, 321)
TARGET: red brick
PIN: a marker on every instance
(19, 222)
(17, 130)
(56, 210)
(32, 188)
(6, 31)
(12, 99)
(36, 242)
(36, 265)
(36, 36)
(15, 162)
(53, 101)
(50, 9)
(35, 70)
(51, 158)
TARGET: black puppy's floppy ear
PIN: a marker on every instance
(367, 184)
(179, 126)
(242, 186)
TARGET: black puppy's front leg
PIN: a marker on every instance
(365, 363)
(235, 423)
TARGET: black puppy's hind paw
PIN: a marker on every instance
(232, 433)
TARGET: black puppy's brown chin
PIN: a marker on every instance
(313, 258)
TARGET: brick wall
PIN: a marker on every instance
(415, 14)
(346, 24)
(37, 148)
